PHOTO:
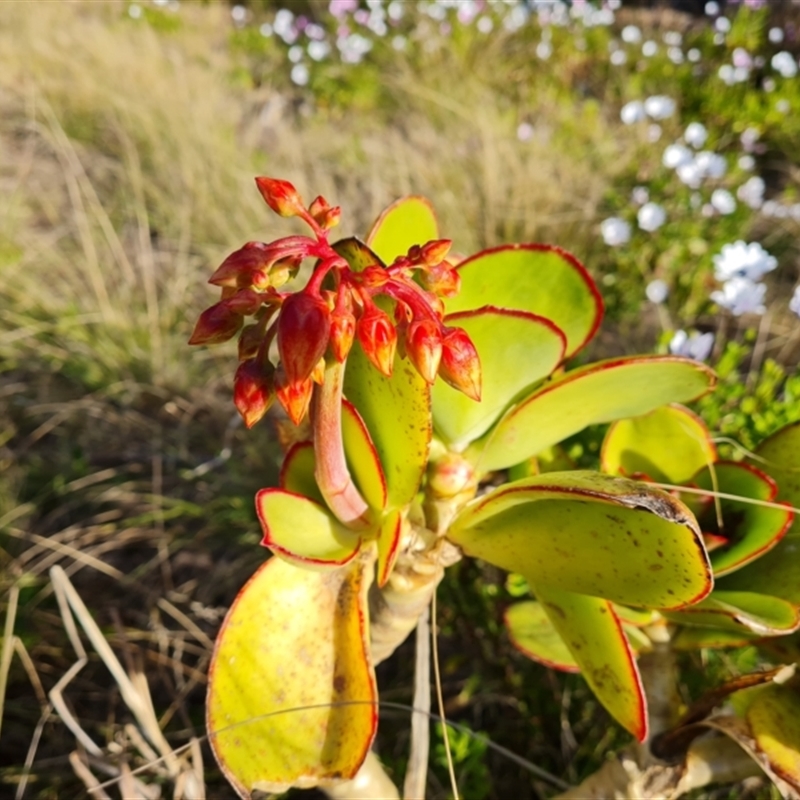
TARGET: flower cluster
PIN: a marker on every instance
(740, 267)
(337, 307)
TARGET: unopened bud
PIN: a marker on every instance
(216, 324)
(249, 341)
(343, 331)
(460, 366)
(378, 339)
(442, 280)
(281, 197)
(238, 269)
(325, 215)
(253, 390)
(436, 251)
(303, 331)
(423, 345)
(245, 302)
(294, 396)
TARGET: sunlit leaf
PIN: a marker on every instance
(389, 544)
(537, 278)
(357, 254)
(751, 530)
(602, 392)
(516, 350)
(531, 632)
(774, 719)
(668, 445)
(590, 533)
(293, 645)
(303, 531)
(691, 638)
(396, 412)
(408, 221)
(741, 611)
(362, 458)
(594, 636)
(297, 472)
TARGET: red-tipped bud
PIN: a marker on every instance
(325, 215)
(424, 347)
(434, 252)
(253, 390)
(318, 373)
(281, 197)
(216, 324)
(343, 331)
(442, 280)
(378, 339)
(374, 277)
(245, 302)
(249, 341)
(238, 268)
(304, 327)
(294, 396)
(460, 365)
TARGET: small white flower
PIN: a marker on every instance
(134, 11)
(695, 345)
(295, 54)
(782, 106)
(775, 35)
(722, 24)
(651, 217)
(769, 85)
(524, 131)
(746, 163)
(784, 63)
(653, 132)
(690, 174)
(751, 192)
(727, 74)
(632, 112)
(615, 231)
(741, 260)
(695, 134)
(794, 303)
(618, 58)
(711, 165)
(675, 55)
(659, 106)
(657, 291)
(485, 25)
(741, 296)
(673, 38)
(712, 8)
(640, 195)
(543, 50)
(300, 74)
(749, 138)
(676, 155)
(649, 48)
(318, 50)
(631, 34)
(694, 55)
(723, 201)
(239, 14)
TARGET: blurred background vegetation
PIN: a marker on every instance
(129, 138)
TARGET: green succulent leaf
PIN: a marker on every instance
(690, 638)
(774, 719)
(407, 222)
(595, 638)
(590, 533)
(538, 278)
(291, 694)
(396, 412)
(531, 632)
(389, 545)
(776, 572)
(668, 445)
(601, 392)
(303, 531)
(357, 254)
(362, 457)
(751, 530)
(517, 350)
(741, 611)
(297, 472)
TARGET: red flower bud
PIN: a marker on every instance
(460, 366)
(253, 390)
(375, 276)
(441, 280)
(245, 301)
(434, 252)
(424, 347)
(304, 328)
(281, 197)
(294, 396)
(238, 268)
(216, 324)
(325, 215)
(343, 330)
(378, 339)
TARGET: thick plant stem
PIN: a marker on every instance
(331, 473)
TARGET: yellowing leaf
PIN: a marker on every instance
(293, 645)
